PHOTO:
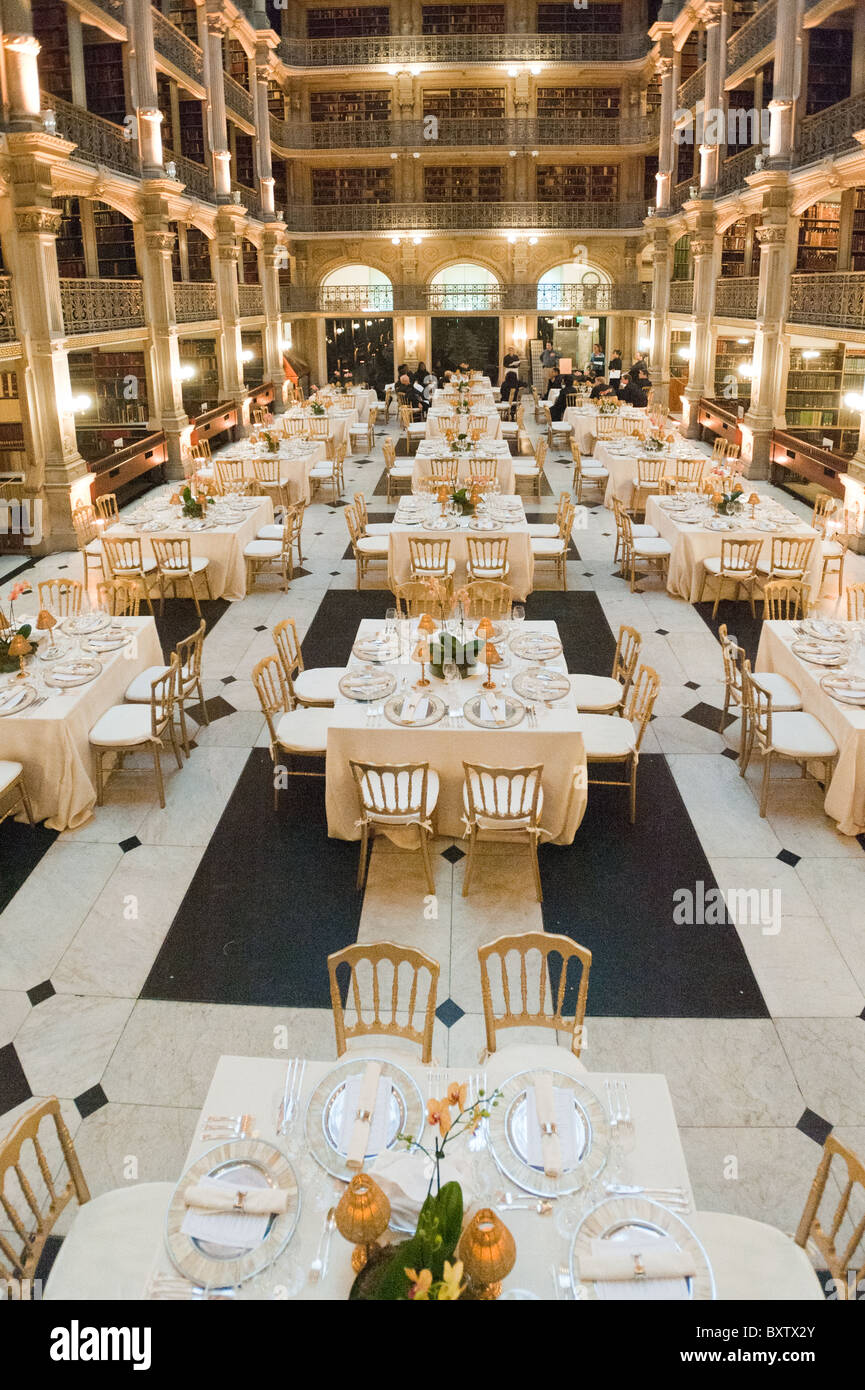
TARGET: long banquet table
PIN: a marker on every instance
(485, 448)
(556, 743)
(619, 457)
(52, 740)
(845, 794)
(492, 422)
(339, 421)
(520, 555)
(584, 419)
(297, 458)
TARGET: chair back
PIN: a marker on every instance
(429, 556)
(487, 468)
(86, 527)
(502, 795)
(839, 1170)
(644, 693)
(189, 652)
(791, 554)
(266, 469)
(230, 475)
(355, 530)
(758, 704)
(122, 597)
(531, 980)
(106, 506)
(173, 554)
(258, 416)
(405, 416)
(572, 400)
(62, 597)
(444, 469)
(33, 1190)
(487, 552)
(627, 654)
(650, 470)
(384, 982)
(288, 649)
(575, 453)
(388, 449)
(786, 600)
(541, 447)
(395, 791)
(689, 470)
(360, 512)
(414, 598)
(163, 692)
(608, 426)
(294, 426)
(123, 555)
(200, 451)
(733, 656)
(565, 520)
(856, 603)
(740, 557)
(268, 678)
(489, 598)
(319, 427)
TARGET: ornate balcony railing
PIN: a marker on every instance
(418, 217)
(250, 301)
(463, 48)
(248, 197)
(195, 176)
(681, 296)
(753, 37)
(680, 193)
(114, 8)
(833, 301)
(178, 50)
(95, 306)
(734, 169)
(98, 141)
(831, 131)
(194, 301)
(737, 296)
(419, 299)
(8, 331)
(238, 100)
(692, 89)
(333, 135)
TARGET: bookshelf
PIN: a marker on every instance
(197, 254)
(463, 19)
(853, 379)
(857, 248)
(115, 243)
(579, 103)
(361, 185)
(650, 183)
(653, 96)
(577, 183)
(830, 53)
(280, 184)
(275, 100)
(682, 268)
(819, 232)
(730, 385)
(116, 381)
(50, 28)
(199, 353)
(70, 241)
(244, 159)
(183, 15)
(237, 63)
(104, 81)
(740, 251)
(347, 21)
(253, 371)
(813, 404)
(465, 103)
(249, 263)
(348, 107)
(463, 183)
(567, 19)
(192, 144)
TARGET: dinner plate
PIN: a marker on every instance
(435, 709)
(508, 1136)
(85, 623)
(536, 646)
(622, 1218)
(479, 523)
(850, 690)
(112, 641)
(325, 1113)
(818, 653)
(252, 1163)
(539, 683)
(72, 672)
(514, 711)
(15, 696)
(823, 629)
(367, 685)
(378, 648)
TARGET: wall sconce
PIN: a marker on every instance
(81, 403)
(810, 355)
(854, 401)
(171, 170)
(49, 121)
(645, 344)
(186, 372)
(395, 241)
(247, 355)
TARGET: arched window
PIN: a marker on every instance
(464, 286)
(354, 288)
(573, 286)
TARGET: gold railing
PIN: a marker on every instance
(96, 306)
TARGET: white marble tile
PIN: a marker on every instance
(122, 1144)
(828, 1059)
(195, 798)
(722, 808)
(65, 1043)
(739, 880)
(764, 1174)
(14, 1008)
(800, 971)
(796, 815)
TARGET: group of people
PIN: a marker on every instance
(631, 386)
(416, 388)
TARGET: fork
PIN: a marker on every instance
(291, 1094)
(228, 1127)
(561, 1283)
(318, 1267)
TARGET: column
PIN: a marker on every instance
(713, 115)
(274, 255)
(659, 367)
(768, 382)
(22, 77)
(217, 125)
(665, 146)
(142, 70)
(259, 74)
(787, 76)
(154, 245)
(57, 475)
(704, 250)
(857, 71)
(228, 343)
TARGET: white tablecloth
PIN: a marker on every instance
(489, 448)
(693, 544)
(53, 741)
(340, 420)
(435, 423)
(555, 743)
(255, 1085)
(584, 420)
(845, 795)
(223, 546)
(296, 461)
(520, 557)
(619, 457)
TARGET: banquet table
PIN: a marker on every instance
(584, 420)
(297, 458)
(222, 544)
(485, 448)
(340, 420)
(619, 457)
(255, 1086)
(691, 544)
(520, 555)
(492, 422)
(845, 794)
(52, 740)
(556, 743)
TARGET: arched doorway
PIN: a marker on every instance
(464, 299)
(359, 327)
(573, 301)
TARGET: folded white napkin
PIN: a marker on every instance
(612, 1269)
(366, 1104)
(221, 1196)
(405, 1178)
(414, 707)
(11, 699)
(545, 1105)
(492, 708)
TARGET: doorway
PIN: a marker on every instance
(472, 340)
(363, 346)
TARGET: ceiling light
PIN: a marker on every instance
(247, 355)
(743, 342)
(186, 371)
(81, 402)
(394, 156)
(512, 240)
(810, 354)
(854, 401)
(513, 72)
(416, 240)
(535, 69)
(415, 70)
(512, 153)
(533, 241)
(395, 241)
(644, 344)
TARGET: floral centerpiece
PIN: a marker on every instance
(464, 498)
(8, 629)
(270, 441)
(726, 503)
(316, 408)
(193, 506)
(424, 1268)
(608, 405)
(462, 444)
(654, 444)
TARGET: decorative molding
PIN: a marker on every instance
(160, 241)
(771, 236)
(44, 220)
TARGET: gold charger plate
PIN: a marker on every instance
(435, 710)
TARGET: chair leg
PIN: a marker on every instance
(184, 734)
(100, 784)
(200, 688)
(361, 868)
(25, 800)
(633, 789)
(157, 765)
(764, 792)
(424, 850)
(470, 862)
(536, 868)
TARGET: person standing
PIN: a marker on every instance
(615, 373)
(598, 361)
(550, 363)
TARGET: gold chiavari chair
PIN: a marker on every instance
(786, 600)
(320, 431)
(189, 653)
(368, 551)
(559, 432)
(414, 598)
(130, 727)
(839, 1262)
(367, 528)
(294, 426)
(512, 431)
(737, 565)
(608, 427)
(485, 468)
(856, 603)
(487, 557)
(502, 803)
(541, 958)
(723, 450)
(413, 430)
(88, 536)
(13, 797)
(267, 474)
(396, 474)
(649, 552)
(618, 740)
(444, 470)
(489, 598)
(532, 473)
(298, 732)
(62, 597)
(386, 984)
(122, 597)
(231, 476)
(825, 508)
(586, 474)
(797, 736)
(258, 416)
(364, 433)
(446, 423)
(477, 426)
(174, 562)
(106, 507)
(395, 797)
(689, 472)
(330, 472)
(785, 696)
(607, 694)
(789, 559)
(277, 551)
(200, 451)
(647, 479)
(837, 535)
(318, 686)
(292, 514)
(551, 529)
(123, 559)
(431, 559)
(554, 550)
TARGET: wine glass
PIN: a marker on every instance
(390, 618)
(451, 676)
(518, 613)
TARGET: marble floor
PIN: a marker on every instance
(754, 1095)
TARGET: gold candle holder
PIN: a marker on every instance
(421, 654)
(362, 1215)
(484, 629)
(753, 503)
(492, 658)
(20, 647)
(488, 1253)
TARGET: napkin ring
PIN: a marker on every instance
(240, 1201)
(365, 1116)
(639, 1267)
(548, 1130)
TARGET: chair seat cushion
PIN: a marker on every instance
(139, 689)
(651, 547)
(379, 528)
(801, 735)
(390, 816)
(541, 546)
(779, 573)
(489, 571)
(8, 772)
(785, 696)
(263, 550)
(319, 683)
(93, 547)
(510, 429)
(273, 532)
(147, 566)
(514, 822)
(198, 563)
(524, 471)
(596, 692)
(402, 470)
(122, 726)
(561, 427)
(371, 545)
(322, 470)
(713, 566)
(594, 471)
(304, 730)
(112, 1245)
(417, 431)
(832, 550)
(605, 736)
(753, 1261)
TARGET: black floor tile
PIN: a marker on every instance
(181, 620)
(332, 632)
(14, 1086)
(588, 644)
(21, 848)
